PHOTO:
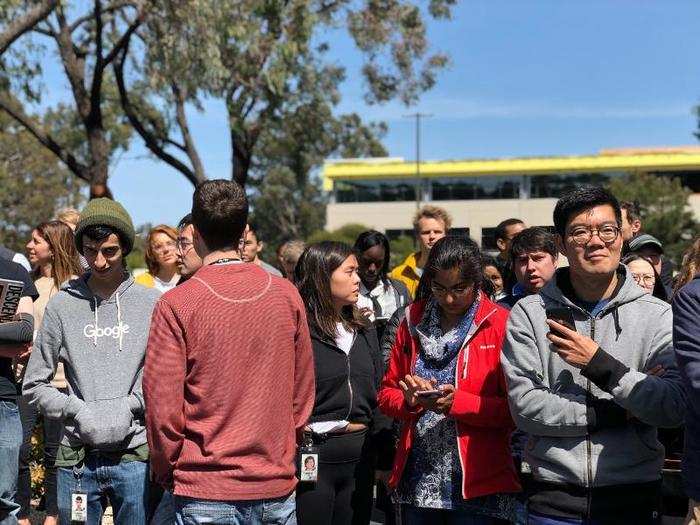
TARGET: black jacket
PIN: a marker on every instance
(347, 385)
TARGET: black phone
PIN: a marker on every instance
(562, 315)
(430, 394)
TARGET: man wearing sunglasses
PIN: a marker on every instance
(591, 396)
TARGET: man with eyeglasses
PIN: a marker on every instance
(591, 398)
(188, 261)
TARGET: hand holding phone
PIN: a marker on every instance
(562, 315)
(430, 394)
(574, 348)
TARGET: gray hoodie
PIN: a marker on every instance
(102, 345)
(553, 402)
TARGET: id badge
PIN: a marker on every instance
(308, 467)
(78, 507)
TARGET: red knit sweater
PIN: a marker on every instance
(228, 381)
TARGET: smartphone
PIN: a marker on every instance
(562, 315)
(430, 394)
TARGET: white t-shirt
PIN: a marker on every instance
(164, 286)
(385, 296)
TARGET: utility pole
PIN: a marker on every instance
(419, 186)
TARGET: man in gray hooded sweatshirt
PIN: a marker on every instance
(97, 326)
(591, 399)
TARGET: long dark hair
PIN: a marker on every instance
(452, 252)
(312, 276)
(370, 239)
(659, 290)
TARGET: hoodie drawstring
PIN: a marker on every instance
(616, 318)
(94, 341)
(119, 322)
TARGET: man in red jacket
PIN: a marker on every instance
(229, 377)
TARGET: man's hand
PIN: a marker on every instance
(26, 353)
(657, 371)
(412, 384)
(574, 348)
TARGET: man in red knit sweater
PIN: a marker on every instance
(229, 377)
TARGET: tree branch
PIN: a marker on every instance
(112, 8)
(45, 139)
(126, 37)
(181, 118)
(25, 23)
(151, 140)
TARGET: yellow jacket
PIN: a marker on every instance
(407, 274)
(146, 279)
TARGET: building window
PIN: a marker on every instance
(488, 239)
(459, 232)
(473, 188)
(374, 191)
(554, 186)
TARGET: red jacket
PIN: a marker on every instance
(480, 406)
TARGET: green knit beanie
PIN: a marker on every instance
(106, 212)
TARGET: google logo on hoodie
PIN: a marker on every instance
(114, 331)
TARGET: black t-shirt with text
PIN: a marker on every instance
(13, 271)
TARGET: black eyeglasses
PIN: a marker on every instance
(582, 235)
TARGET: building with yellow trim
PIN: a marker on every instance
(479, 193)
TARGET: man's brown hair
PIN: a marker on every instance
(220, 213)
(432, 212)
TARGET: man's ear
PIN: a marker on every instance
(260, 247)
(198, 243)
(636, 226)
(560, 245)
(501, 243)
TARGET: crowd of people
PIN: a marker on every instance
(458, 387)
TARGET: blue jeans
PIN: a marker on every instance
(541, 519)
(124, 483)
(422, 516)
(280, 511)
(10, 442)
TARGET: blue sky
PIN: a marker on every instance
(526, 78)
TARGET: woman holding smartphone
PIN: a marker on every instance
(380, 296)
(444, 382)
(348, 370)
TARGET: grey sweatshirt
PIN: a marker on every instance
(571, 437)
(102, 345)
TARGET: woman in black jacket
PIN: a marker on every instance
(348, 369)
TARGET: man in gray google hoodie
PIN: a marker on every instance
(591, 399)
(97, 326)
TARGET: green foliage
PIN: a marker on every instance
(34, 186)
(401, 248)
(664, 207)
(347, 234)
(137, 257)
(286, 208)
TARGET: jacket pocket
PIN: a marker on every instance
(105, 424)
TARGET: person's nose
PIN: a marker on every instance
(100, 260)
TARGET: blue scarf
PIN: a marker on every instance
(438, 348)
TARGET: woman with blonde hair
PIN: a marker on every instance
(54, 260)
(161, 259)
(689, 267)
